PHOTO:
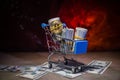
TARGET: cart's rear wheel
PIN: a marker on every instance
(74, 70)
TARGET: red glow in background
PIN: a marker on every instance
(21, 19)
(101, 35)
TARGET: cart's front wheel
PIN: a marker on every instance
(65, 62)
(79, 68)
(49, 65)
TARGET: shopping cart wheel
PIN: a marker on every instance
(79, 69)
(65, 62)
(74, 70)
(49, 65)
(83, 68)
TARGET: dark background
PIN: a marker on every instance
(20, 23)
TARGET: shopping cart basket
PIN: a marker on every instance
(63, 47)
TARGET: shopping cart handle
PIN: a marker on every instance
(64, 25)
(43, 25)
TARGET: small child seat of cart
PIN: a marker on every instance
(64, 46)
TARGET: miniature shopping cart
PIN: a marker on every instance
(64, 46)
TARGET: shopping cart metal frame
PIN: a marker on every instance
(63, 47)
